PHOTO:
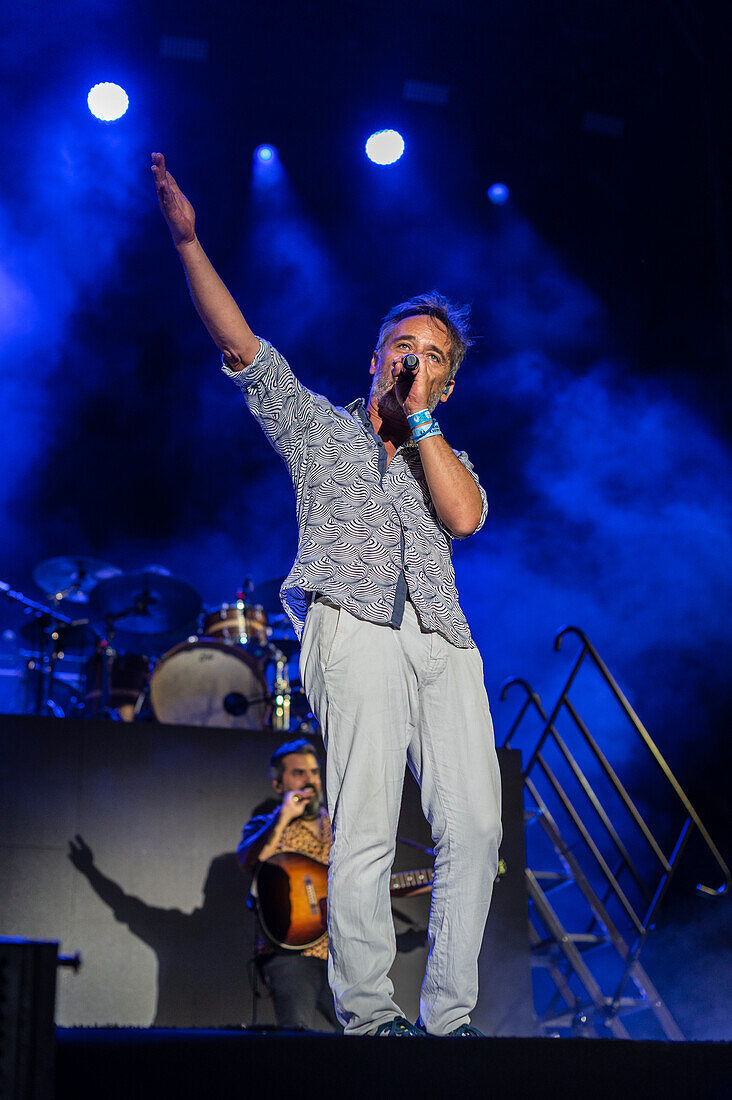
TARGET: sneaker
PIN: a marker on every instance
(400, 1028)
(465, 1031)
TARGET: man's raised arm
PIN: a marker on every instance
(215, 305)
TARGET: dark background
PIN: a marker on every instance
(594, 404)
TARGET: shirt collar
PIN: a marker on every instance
(358, 410)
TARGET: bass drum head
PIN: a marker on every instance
(209, 683)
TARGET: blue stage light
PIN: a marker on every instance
(385, 147)
(265, 154)
(498, 193)
(107, 102)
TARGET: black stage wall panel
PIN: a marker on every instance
(27, 998)
(154, 900)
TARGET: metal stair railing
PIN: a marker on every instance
(585, 865)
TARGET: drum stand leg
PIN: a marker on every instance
(108, 656)
(33, 702)
(281, 693)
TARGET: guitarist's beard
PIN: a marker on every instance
(313, 807)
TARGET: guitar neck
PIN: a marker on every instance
(411, 880)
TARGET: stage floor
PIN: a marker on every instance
(132, 1063)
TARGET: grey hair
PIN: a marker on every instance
(456, 320)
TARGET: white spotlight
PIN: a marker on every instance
(107, 102)
(385, 147)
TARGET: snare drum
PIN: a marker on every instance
(237, 624)
(205, 682)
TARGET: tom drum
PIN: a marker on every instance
(237, 624)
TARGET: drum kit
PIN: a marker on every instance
(141, 648)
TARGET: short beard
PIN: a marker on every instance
(313, 807)
(380, 389)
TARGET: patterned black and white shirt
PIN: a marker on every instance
(370, 537)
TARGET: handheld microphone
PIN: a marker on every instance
(410, 362)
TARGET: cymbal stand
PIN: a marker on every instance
(109, 654)
(47, 659)
(281, 693)
(18, 597)
(65, 593)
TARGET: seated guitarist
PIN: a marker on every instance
(297, 980)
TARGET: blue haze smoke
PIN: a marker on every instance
(61, 229)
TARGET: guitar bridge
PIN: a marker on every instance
(311, 896)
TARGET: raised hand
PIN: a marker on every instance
(81, 854)
(175, 207)
(215, 305)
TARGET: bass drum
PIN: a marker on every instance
(209, 683)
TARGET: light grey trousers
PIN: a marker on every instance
(384, 696)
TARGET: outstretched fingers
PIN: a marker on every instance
(158, 167)
(175, 207)
(164, 182)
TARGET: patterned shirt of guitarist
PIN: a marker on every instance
(297, 837)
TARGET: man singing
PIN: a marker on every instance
(387, 659)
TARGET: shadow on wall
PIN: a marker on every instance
(203, 956)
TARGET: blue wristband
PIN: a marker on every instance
(421, 417)
(424, 431)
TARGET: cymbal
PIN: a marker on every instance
(144, 602)
(72, 577)
(267, 593)
(43, 632)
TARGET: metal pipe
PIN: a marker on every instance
(587, 647)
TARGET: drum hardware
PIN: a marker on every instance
(280, 690)
(41, 662)
(280, 619)
(289, 647)
(282, 650)
(305, 722)
(47, 691)
(267, 593)
(53, 644)
(75, 638)
(149, 602)
(145, 602)
(71, 578)
(31, 605)
(114, 682)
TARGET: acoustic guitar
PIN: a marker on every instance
(290, 894)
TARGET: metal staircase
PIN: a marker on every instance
(596, 874)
